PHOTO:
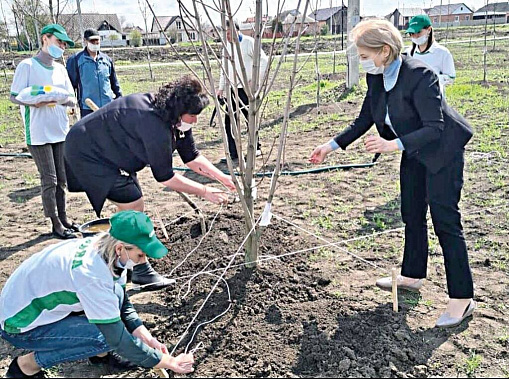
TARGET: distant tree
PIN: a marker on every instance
(324, 30)
(135, 38)
(277, 25)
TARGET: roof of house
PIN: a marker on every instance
(284, 14)
(446, 9)
(90, 20)
(299, 19)
(495, 7)
(165, 21)
(324, 14)
(409, 12)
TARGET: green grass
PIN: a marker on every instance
(472, 364)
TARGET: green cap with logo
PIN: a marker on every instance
(136, 228)
(59, 32)
(417, 23)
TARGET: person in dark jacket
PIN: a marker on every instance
(106, 149)
(404, 101)
(92, 74)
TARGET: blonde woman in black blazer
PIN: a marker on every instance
(404, 101)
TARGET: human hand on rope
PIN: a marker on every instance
(181, 364)
(318, 155)
(376, 144)
(228, 182)
(215, 195)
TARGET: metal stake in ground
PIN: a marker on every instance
(394, 290)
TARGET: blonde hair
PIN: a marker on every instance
(106, 245)
(375, 34)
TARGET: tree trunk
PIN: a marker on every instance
(51, 11)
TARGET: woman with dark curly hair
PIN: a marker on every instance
(106, 149)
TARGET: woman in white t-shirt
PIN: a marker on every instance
(46, 124)
(67, 303)
(427, 50)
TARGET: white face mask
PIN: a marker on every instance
(421, 40)
(184, 126)
(94, 48)
(369, 66)
(128, 265)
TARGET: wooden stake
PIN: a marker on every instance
(161, 224)
(394, 290)
(91, 104)
(161, 372)
(196, 209)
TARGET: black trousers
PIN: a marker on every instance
(85, 112)
(244, 104)
(441, 192)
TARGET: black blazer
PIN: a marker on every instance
(429, 129)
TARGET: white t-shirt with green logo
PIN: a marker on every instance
(47, 124)
(67, 277)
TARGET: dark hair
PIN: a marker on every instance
(234, 22)
(430, 42)
(184, 95)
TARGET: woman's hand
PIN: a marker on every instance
(45, 104)
(154, 343)
(215, 195)
(319, 154)
(376, 144)
(228, 182)
(181, 364)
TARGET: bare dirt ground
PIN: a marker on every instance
(315, 313)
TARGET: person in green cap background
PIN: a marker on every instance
(68, 303)
(47, 124)
(427, 50)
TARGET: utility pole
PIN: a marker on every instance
(80, 21)
(440, 16)
(342, 24)
(352, 78)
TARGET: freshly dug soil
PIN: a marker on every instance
(283, 321)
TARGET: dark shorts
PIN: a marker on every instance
(125, 190)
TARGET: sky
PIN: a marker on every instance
(130, 9)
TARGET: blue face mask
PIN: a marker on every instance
(55, 51)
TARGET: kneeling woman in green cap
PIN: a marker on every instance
(46, 123)
(67, 302)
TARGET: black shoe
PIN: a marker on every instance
(14, 371)
(66, 235)
(146, 278)
(73, 227)
(113, 361)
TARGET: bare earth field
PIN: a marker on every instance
(315, 313)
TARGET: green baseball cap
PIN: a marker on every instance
(136, 228)
(417, 23)
(59, 32)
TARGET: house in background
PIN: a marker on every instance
(450, 14)
(177, 29)
(401, 16)
(108, 26)
(334, 18)
(309, 27)
(497, 11)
